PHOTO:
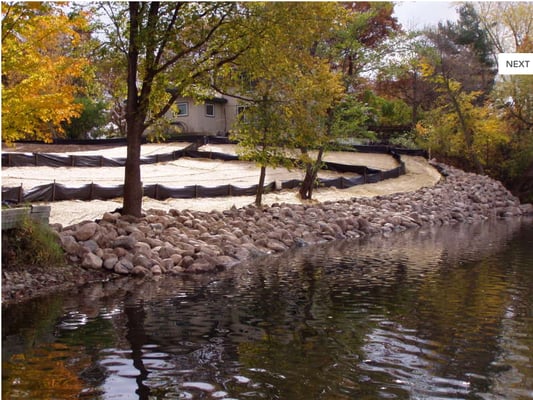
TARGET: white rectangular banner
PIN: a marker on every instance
(515, 63)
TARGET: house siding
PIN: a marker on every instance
(197, 121)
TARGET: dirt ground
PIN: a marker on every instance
(186, 171)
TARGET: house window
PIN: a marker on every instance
(183, 109)
(241, 116)
(209, 110)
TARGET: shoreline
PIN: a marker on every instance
(184, 241)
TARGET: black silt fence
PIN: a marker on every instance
(60, 160)
(11, 159)
(57, 191)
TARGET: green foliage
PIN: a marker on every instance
(90, 122)
(406, 140)
(384, 111)
(261, 131)
(287, 86)
(32, 243)
(468, 31)
(159, 46)
(351, 118)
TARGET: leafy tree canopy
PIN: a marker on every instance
(40, 69)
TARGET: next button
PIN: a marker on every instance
(515, 63)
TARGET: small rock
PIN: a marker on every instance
(126, 242)
(69, 244)
(91, 261)
(90, 245)
(275, 245)
(177, 270)
(139, 270)
(156, 270)
(123, 266)
(201, 266)
(141, 259)
(85, 231)
(110, 261)
(187, 261)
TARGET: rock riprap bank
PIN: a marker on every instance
(184, 241)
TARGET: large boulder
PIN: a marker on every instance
(85, 231)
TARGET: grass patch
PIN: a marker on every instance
(32, 243)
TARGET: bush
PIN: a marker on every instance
(32, 243)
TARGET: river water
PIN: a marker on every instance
(444, 314)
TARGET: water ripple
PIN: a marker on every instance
(413, 317)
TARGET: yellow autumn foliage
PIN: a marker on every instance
(40, 69)
(440, 131)
(458, 126)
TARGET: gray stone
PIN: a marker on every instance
(167, 251)
(123, 266)
(69, 244)
(121, 269)
(126, 242)
(142, 260)
(275, 245)
(91, 261)
(176, 258)
(201, 266)
(85, 231)
(110, 261)
(90, 245)
(156, 270)
(225, 262)
(110, 217)
(187, 261)
(177, 270)
(526, 209)
(167, 263)
(139, 270)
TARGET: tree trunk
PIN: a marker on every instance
(132, 204)
(306, 190)
(260, 186)
(311, 172)
(133, 190)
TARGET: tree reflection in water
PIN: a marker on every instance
(136, 336)
(423, 314)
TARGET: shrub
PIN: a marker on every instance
(32, 243)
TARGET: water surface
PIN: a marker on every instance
(445, 314)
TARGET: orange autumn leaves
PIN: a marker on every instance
(41, 69)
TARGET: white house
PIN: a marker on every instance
(211, 117)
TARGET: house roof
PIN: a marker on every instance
(212, 99)
(221, 100)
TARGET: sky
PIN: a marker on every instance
(418, 14)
